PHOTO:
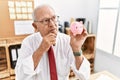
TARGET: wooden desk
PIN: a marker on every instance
(106, 73)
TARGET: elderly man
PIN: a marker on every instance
(34, 60)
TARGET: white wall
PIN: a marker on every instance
(67, 9)
(88, 9)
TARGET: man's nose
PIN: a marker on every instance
(51, 22)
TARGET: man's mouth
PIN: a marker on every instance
(53, 31)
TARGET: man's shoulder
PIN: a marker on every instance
(32, 37)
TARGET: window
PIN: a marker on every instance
(109, 27)
(109, 3)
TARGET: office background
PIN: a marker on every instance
(68, 9)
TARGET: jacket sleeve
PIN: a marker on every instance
(84, 71)
(24, 69)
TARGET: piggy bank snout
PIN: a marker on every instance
(76, 28)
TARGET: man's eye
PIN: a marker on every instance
(53, 17)
(46, 20)
(42, 21)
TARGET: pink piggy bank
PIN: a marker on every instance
(76, 27)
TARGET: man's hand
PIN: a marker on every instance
(77, 41)
(48, 41)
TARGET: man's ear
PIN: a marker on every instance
(35, 26)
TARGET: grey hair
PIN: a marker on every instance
(39, 7)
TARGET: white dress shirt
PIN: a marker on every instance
(64, 57)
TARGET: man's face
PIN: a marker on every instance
(46, 22)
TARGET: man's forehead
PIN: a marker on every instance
(45, 13)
